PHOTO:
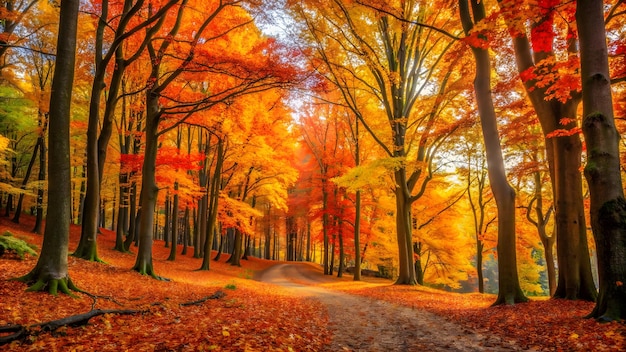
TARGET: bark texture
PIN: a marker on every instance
(608, 207)
(51, 272)
(509, 290)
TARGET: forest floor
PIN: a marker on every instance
(365, 324)
(307, 312)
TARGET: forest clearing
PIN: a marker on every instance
(257, 316)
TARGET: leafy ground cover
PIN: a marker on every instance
(253, 316)
(540, 325)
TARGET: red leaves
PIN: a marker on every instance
(540, 325)
(542, 35)
(558, 78)
(252, 316)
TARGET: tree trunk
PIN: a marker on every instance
(174, 230)
(29, 169)
(564, 160)
(122, 212)
(406, 269)
(149, 190)
(331, 268)
(327, 270)
(357, 211)
(548, 245)
(308, 241)
(575, 279)
(479, 266)
(509, 290)
(200, 227)
(133, 214)
(167, 229)
(341, 252)
(247, 241)
(608, 207)
(419, 272)
(51, 270)
(41, 177)
(187, 232)
(235, 257)
(214, 195)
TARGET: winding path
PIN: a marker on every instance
(365, 324)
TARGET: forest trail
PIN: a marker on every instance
(365, 324)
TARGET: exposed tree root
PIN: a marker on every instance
(53, 286)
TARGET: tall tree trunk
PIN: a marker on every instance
(187, 232)
(268, 234)
(331, 267)
(201, 226)
(122, 211)
(214, 195)
(327, 270)
(479, 266)
(608, 207)
(341, 253)
(41, 178)
(357, 211)
(51, 270)
(419, 272)
(575, 278)
(247, 241)
(149, 190)
(29, 169)
(540, 223)
(133, 214)
(174, 231)
(167, 229)
(404, 234)
(509, 290)
(308, 242)
(235, 257)
(564, 160)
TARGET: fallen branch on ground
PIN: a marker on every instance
(216, 295)
(21, 331)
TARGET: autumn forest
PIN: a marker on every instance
(186, 158)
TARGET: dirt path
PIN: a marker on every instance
(363, 324)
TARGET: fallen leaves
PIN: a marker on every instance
(541, 325)
(251, 317)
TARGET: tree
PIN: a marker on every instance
(193, 48)
(479, 198)
(97, 143)
(13, 14)
(390, 54)
(51, 269)
(554, 91)
(509, 290)
(608, 207)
